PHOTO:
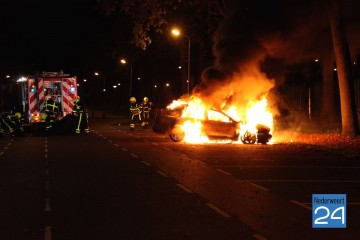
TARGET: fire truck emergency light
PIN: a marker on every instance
(32, 88)
(72, 88)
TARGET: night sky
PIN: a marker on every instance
(50, 36)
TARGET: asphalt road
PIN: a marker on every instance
(117, 184)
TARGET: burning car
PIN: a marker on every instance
(206, 125)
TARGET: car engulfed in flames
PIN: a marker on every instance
(193, 122)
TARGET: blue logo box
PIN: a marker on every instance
(329, 210)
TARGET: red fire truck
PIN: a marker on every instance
(40, 87)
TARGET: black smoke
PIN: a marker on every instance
(258, 39)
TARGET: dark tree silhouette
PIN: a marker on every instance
(343, 63)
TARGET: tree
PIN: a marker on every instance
(199, 18)
(343, 62)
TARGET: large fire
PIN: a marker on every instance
(251, 120)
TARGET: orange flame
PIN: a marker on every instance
(194, 109)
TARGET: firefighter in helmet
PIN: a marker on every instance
(11, 123)
(51, 111)
(81, 113)
(135, 112)
(3, 126)
(146, 107)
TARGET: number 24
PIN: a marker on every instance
(318, 220)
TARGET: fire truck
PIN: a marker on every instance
(35, 90)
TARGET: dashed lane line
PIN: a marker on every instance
(286, 166)
(47, 233)
(162, 173)
(124, 149)
(301, 204)
(259, 237)
(47, 205)
(302, 181)
(258, 186)
(223, 171)
(218, 210)
(146, 163)
(184, 188)
(133, 155)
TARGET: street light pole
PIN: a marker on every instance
(123, 61)
(188, 68)
(176, 33)
(131, 73)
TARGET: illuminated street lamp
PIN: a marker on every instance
(103, 76)
(176, 32)
(123, 61)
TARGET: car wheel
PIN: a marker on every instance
(264, 138)
(177, 134)
(248, 138)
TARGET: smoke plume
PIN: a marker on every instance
(256, 34)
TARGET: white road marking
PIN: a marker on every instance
(105, 138)
(46, 150)
(223, 171)
(259, 237)
(47, 205)
(46, 172)
(258, 186)
(124, 149)
(284, 166)
(46, 145)
(166, 148)
(46, 155)
(301, 204)
(146, 163)
(109, 141)
(47, 233)
(1, 153)
(6, 148)
(116, 145)
(218, 210)
(184, 188)
(162, 173)
(133, 155)
(9, 143)
(155, 144)
(302, 181)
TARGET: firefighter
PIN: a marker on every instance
(51, 112)
(135, 113)
(81, 113)
(11, 123)
(3, 127)
(146, 107)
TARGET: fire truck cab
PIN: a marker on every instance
(35, 90)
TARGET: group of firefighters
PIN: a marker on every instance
(79, 113)
(140, 112)
(11, 124)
